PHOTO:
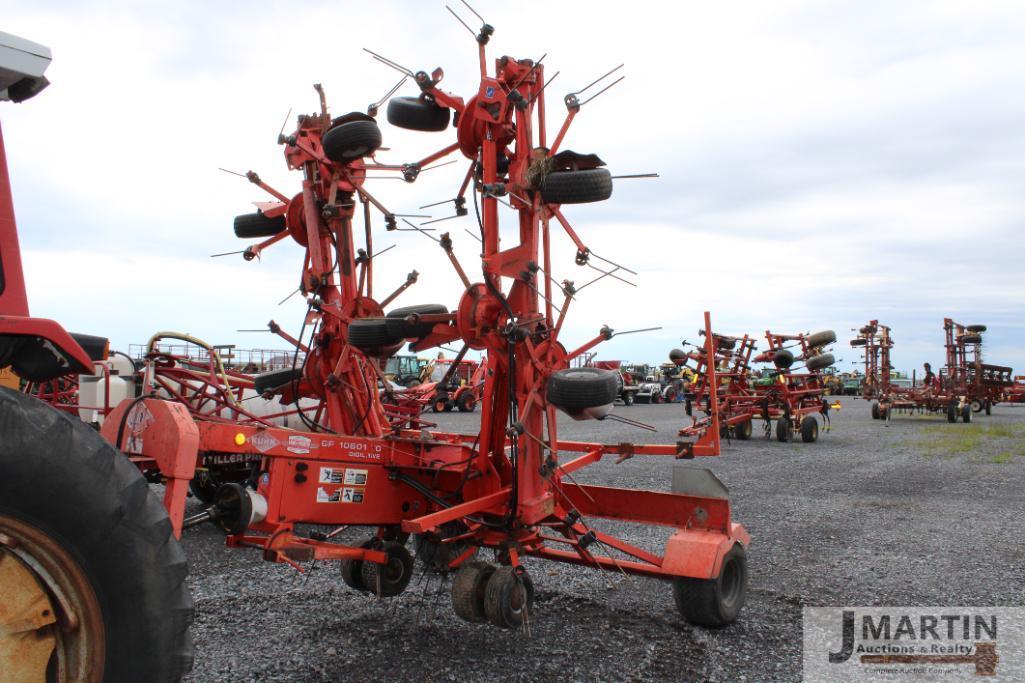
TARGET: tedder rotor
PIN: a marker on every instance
(509, 487)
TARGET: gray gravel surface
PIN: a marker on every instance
(898, 513)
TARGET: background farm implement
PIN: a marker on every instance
(511, 486)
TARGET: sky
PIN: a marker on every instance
(820, 164)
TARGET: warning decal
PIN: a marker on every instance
(352, 495)
(332, 475)
(354, 477)
(323, 496)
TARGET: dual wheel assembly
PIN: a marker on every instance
(808, 428)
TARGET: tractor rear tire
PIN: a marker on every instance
(578, 388)
(466, 403)
(389, 580)
(468, 590)
(809, 429)
(508, 597)
(743, 430)
(257, 225)
(952, 413)
(577, 187)
(714, 602)
(351, 140)
(82, 513)
(414, 113)
(823, 338)
(399, 328)
(820, 362)
(782, 430)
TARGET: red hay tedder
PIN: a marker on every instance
(510, 487)
(793, 399)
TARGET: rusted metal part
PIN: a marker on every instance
(50, 617)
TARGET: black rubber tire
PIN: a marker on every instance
(820, 361)
(743, 430)
(204, 486)
(577, 388)
(414, 113)
(400, 329)
(629, 397)
(439, 405)
(952, 413)
(989, 407)
(61, 477)
(656, 398)
(351, 140)
(809, 429)
(977, 406)
(966, 414)
(371, 334)
(976, 328)
(352, 570)
(715, 602)
(256, 226)
(387, 581)
(468, 590)
(859, 342)
(268, 381)
(783, 359)
(971, 338)
(823, 338)
(577, 187)
(725, 343)
(875, 410)
(504, 599)
(466, 403)
(782, 431)
(678, 356)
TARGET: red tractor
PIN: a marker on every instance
(91, 577)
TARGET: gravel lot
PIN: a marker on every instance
(910, 512)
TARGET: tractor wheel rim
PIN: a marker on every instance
(53, 582)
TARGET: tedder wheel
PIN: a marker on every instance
(714, 602)
(966, 413)
(578, 388)
(398, 327)
(256, 225)
(952, 412)
(78, 521)
(875, 410)
(204, 486)
(508, 597)
(743, 430)
(821, 361)
(577, 187)
(466, 402)
(809, 429)
(977, 406)
(416, 113)
(269, 381)
(468, 590)
(782, 430)
(349, 140)
(390, 579)
(820, 339)
(371, 335)
(352, 570)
